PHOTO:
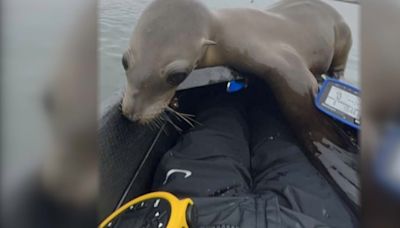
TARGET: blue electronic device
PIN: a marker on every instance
(236, 85)
(340, 101)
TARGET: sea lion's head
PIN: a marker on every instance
(170, 39)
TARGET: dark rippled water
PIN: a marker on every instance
(117, 19)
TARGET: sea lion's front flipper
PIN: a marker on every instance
(295, 88)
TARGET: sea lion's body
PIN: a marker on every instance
(309, 29)
(289, 46)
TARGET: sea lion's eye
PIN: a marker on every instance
(125, 62)
(176, 78)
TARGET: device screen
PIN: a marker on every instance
(340, 101)
(343, 101)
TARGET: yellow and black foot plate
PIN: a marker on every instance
(157, 209)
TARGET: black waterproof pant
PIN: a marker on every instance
(243, 168)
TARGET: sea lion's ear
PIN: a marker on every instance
(207, 42)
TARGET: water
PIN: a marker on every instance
(117, 19)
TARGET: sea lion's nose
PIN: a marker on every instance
(130, 113)
(127, 107)
(132, 107)
(129, 99)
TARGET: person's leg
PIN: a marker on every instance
(212, 159)
(296, 194)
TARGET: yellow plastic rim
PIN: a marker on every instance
(178, 209)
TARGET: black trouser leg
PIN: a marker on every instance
(283, 175)
(212, 159)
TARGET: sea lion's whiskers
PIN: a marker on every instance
(169, 109)
(159, 121)
(184, 116)
(155, 121)
(148, 125)
(162, 122)
(189, 116)
(184, 119)
(165, 131)
(155, 124)
(151, 125)
(181, 116)
(174, 125)
(168, 119)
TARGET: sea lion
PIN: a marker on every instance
(288, 45)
